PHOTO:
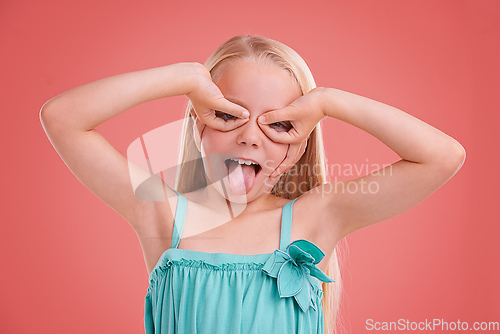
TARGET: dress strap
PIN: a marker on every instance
(180, 215)
(286, 224)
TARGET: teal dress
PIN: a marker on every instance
(197, 292)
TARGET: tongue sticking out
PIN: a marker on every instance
(241, 177)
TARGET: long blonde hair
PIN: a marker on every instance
(191, 176)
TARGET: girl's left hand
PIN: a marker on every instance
(303, 114)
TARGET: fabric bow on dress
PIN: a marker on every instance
(294, 269)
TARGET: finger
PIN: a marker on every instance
(228, 125)
(231, 108)
(288, 163)
(278, 115)
(210, 118)
(302, 150)
(291, 136)
(288, 113)
(289, 160)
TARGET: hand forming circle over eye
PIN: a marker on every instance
(207, 99)
(303, 114)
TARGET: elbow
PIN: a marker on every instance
(456, 157)
(460, 154)
(47, 109)
(43, 114)
(48, 115)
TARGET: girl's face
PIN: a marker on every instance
(258, 88)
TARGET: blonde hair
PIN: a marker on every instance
(191, 175)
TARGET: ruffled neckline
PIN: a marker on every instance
(216, 259)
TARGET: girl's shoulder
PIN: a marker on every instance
(316, 221)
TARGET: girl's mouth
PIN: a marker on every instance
(257, 167)
(241, 176)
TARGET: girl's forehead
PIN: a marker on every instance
(245, 67)
(258, 86)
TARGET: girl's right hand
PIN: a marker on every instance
(207, 98)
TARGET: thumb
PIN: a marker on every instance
(231, 108)
(278, 115)
(266, 123)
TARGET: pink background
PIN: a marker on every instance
(70, 264)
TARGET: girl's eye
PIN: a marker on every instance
(224, 116)
(278, 126)
(281, 126)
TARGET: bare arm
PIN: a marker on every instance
(69, 120)
(85, 107)
(429, 159)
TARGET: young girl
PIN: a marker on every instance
(246, 242)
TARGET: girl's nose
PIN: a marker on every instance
(250, 133)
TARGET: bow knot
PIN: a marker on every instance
(294, 269)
